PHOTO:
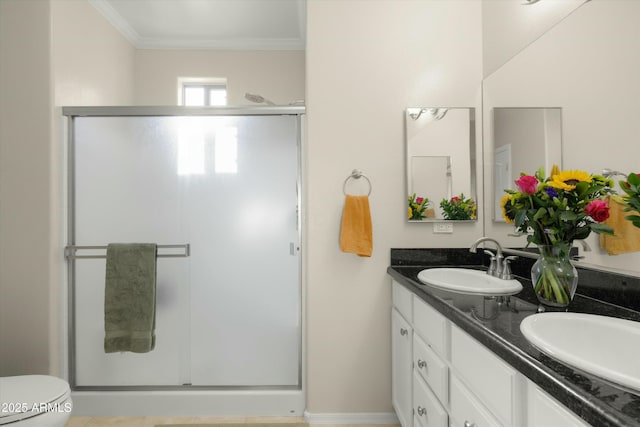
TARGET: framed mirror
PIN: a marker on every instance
(441, 164)
(524, 139)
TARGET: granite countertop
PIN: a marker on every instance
(597, 401)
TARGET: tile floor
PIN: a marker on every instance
(152, 421)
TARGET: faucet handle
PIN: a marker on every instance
(492, 263)
(506, 268)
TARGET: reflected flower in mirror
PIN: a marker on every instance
(632, 197)
(417, 207)
(459, 208)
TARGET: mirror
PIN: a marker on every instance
(441, 164)
(587, 66)
(524, 139)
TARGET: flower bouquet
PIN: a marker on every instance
(417, 207)
(459, 208)
(553, 212)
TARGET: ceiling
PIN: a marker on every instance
(208, 24)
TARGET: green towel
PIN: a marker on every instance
(130, 298)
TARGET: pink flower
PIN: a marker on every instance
(419, 200)
(527, 184)
(455, 199)
(598, 210)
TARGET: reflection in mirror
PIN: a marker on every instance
(524, 140)
(440, 156)
(587, 65)
(431, 175)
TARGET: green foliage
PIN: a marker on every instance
(459, 208)
(417, 207)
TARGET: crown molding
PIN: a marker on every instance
(120, 24)
(248, 44)
(116, 20)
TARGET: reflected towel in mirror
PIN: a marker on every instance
(627, 237)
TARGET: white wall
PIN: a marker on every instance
(594, 53)
(93, 64)
(276, 75)
(25, 151)
(366, 63)
(54, 53)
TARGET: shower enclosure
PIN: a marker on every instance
(218, 189)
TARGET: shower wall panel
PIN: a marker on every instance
(228, 315)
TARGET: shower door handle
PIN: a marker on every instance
(293, 249)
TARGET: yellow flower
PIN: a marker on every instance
(555, 170)
(503, 203)
(410, 212)
(567, 180)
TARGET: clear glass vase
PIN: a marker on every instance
(553, 276)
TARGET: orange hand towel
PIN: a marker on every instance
(355, 232)
(627, 236)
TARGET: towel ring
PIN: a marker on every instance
(356, 174)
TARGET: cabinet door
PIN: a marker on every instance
(401, 362)
(544, 411)
(496, 384)
(466, 410)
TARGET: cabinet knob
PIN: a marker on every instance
(468, 424)
(403, 331)
(422, 411)
(422, 364)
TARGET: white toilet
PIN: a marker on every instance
(34, 401)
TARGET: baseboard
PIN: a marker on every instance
(352, 418)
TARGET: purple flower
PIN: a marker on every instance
(551, 192)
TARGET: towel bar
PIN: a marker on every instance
(70, 251)
(356, 174)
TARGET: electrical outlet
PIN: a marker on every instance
(442, 227)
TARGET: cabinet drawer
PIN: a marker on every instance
(432, 369)
(402, 300)
(432, 326)
(467, 410)
(426, 407)
(491, 379)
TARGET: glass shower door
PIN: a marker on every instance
(228, 315)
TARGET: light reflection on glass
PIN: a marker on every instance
(191, 146)
(226, 150)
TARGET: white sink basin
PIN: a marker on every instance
(607, 347)
(467, 281)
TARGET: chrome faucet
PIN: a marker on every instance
(496, 265)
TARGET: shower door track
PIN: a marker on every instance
(175, 111)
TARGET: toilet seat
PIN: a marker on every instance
(27, 396)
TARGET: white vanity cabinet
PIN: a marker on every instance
(443, 377)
